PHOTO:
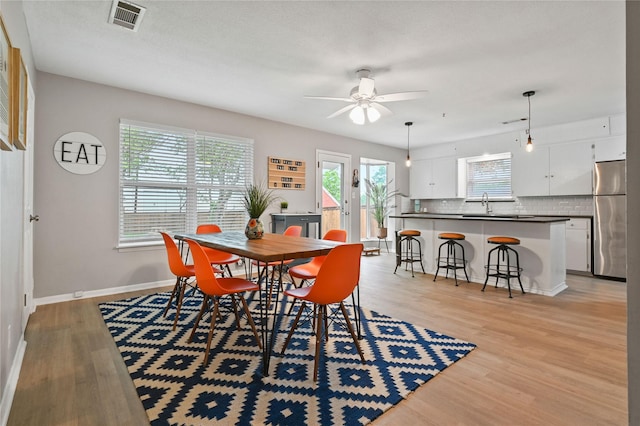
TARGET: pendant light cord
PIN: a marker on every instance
(529, 99)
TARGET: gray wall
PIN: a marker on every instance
(633, 206)
(76, 237)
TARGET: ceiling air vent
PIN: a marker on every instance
(127, 15)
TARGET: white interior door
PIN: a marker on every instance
(27, 244)
(333, 190)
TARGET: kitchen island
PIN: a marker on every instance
(542, 246)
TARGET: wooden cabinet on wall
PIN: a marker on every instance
(433, 178)
(578, 235)
(553, 170)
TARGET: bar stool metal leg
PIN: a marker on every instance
(497, 269)
(452, 260)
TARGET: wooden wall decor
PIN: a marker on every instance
(286, 174)
(18, 122)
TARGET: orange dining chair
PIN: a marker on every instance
(217, 257)
(213, 288)
(308, 271)
(182, 272)
(291, 231)
(336, 280)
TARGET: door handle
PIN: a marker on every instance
(32, 218)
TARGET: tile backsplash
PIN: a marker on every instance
(581, 205)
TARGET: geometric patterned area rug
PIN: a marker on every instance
(175, 387)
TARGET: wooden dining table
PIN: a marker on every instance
(269, 248)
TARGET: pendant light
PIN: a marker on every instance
(529, 146)
(408, 124)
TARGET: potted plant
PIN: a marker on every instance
(284, 206)
(256, 199)
(381, 199)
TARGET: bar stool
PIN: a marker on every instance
(496, 269)
(406, 254)
(452, 260)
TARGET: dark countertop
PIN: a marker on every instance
(480, 216)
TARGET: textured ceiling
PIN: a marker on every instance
(261, 58)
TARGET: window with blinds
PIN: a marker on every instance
(490, 174)
(175, 179)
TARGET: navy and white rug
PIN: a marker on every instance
(175, 388)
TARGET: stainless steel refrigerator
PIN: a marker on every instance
(610, 223)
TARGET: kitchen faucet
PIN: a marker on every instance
(485, 202)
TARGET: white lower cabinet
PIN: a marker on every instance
(578, 234)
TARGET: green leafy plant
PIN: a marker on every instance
(256, 199)
(284, 205)
(381, 199)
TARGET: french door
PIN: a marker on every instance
(333, 190)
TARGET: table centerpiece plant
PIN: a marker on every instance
(256, 199)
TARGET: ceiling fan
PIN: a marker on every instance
(365, 102)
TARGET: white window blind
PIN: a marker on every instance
(174, 179)
(490, 174)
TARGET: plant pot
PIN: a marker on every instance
(382, 233)
(254, 229)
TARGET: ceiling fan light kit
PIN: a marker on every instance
(365, 103)
(529, 146)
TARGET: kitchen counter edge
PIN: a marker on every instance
(497, 217)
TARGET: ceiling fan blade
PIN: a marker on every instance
(401, 96)
(381, 108)
(366, 87)
(342, 110)
(329, 98)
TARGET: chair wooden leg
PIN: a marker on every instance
(251, 323)
(326, 324)
(235, 311)
(205, 302)
(173, 294)
(293, 328)
(350, 327)
(322, 311)
(183, 286)
(211, 328)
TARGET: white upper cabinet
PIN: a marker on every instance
(530, 172)
(433, 178)
(613, 148)
(553, 170)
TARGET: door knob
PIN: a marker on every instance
(32, 218)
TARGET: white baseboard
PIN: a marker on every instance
(102, 292)
(12, 382)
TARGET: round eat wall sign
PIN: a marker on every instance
(80, 153)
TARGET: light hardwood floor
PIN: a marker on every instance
(540, 360)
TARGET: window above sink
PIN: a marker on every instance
(489, 174)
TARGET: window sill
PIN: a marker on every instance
(146, 246)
